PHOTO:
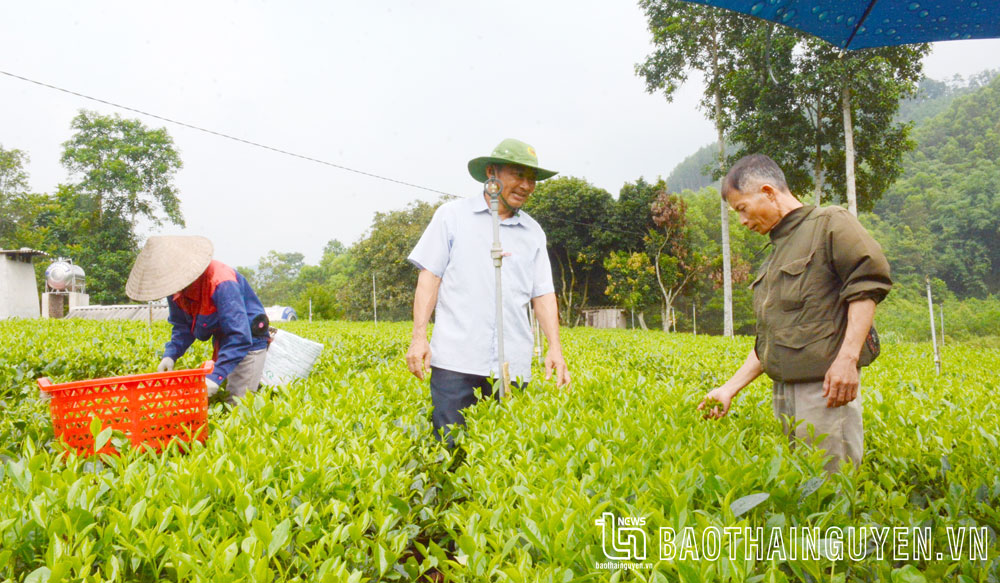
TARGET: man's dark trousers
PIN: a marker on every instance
(453, 391)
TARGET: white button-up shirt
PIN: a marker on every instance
(456, 247)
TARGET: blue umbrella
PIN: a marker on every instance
(859, 24)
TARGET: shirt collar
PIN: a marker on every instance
(788, 222)
(481, 206)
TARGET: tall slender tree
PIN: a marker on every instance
(675, 261)
(688, 36)
(869, 85)
(827, 117)
(13, 187)
(124, 173)
(125, 167)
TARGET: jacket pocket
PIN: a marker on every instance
(792, 290)
(758, 296)
(804, 352)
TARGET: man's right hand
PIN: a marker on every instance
(716, 403)
(418, 357)
(166, 364)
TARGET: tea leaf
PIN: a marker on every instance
(747, 503)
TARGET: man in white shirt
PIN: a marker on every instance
(457, 278)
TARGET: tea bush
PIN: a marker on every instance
(336, 479)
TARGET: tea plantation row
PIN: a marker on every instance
(335, 478)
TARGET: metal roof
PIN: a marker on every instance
(23, 254)
(140, 312)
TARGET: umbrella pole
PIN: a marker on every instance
(493, 188)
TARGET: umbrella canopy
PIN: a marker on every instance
(859, 24)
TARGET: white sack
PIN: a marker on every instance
(289, 357)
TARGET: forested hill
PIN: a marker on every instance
(935, 96)
(692, 173)
(932, 98)
(941, 217)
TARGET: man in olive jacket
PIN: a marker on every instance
(814, 298)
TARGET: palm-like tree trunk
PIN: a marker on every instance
(852, 196)
(727, 268)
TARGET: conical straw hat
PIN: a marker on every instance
(166, 265)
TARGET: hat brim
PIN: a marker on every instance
(166, 265)
(477, 168)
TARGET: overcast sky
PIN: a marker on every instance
(409, 90)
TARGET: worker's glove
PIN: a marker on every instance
(166, 364)
(213, 387)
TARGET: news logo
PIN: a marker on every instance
(623, 538)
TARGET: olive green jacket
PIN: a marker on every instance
(822, 260)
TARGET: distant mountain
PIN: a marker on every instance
(934, 96)
(940, 217)
(693, 173)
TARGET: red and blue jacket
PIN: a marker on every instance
(219, 305)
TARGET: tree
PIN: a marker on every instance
(828, 118)
(939, 219)
(125, 173)
(675, 262)
(630, 220)
(631, 281)
(773, 109)
(316, 295)
(688, 36)
(327, 287)
(125, 167)
(275, 279)
(67, 226)
(13, 188)
(575, 217)
(382, 253)
(868, 86)
(702, 293)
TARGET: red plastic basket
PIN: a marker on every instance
(149, 408)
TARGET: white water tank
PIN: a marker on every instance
(64, 276)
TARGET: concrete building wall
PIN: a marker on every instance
(605, 318)
(18, 293)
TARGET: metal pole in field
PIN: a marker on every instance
(941, 311)
(149, 330)
(494, 188)
(374, 303)
(930, 308)
(310, 309)
(694, 317)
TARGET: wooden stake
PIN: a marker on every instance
(506, 381)
(930, 308)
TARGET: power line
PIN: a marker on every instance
(226, 136)
(263, 146)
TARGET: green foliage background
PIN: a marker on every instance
(937, 221)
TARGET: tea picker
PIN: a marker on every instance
(481, 346)
(209, 301)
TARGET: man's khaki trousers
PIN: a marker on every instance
(802, 406)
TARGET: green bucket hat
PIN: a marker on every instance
(509, 151)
